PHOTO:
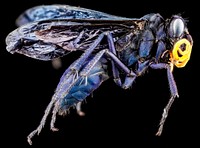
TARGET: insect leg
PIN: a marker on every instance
(130, 75)
(116, 62)
(173, 90)
(87, 53)
(67, 81)
(115, 71)
(142, 66)
(67, 78)
(42, 122)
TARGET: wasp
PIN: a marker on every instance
(112, 47)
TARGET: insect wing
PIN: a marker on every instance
(50, 39)
(46, 12)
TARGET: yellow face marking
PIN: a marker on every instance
(180, 55)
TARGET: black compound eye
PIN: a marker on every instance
(177, 27)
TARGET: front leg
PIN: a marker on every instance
(173, 90)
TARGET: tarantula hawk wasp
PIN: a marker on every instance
(128, 46)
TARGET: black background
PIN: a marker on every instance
(114, 117)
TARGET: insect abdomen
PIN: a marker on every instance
(84, 87)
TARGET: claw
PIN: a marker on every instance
(29, 140)
(80, 113)
(54, 129)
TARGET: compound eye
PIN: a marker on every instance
(177, 27)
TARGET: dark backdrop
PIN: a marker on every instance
(113, 116)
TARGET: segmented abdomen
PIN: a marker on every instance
(84, 86)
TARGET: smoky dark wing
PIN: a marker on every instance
(46, 12)
(49, 39)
